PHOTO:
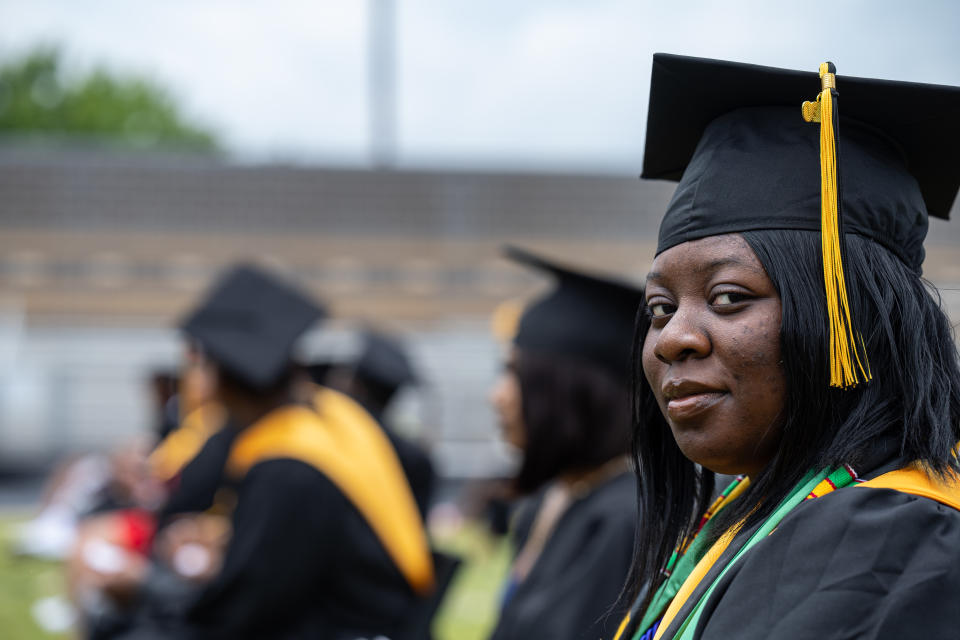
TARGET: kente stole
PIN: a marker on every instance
(685, 576)
(342, 441)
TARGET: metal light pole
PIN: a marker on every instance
(381, 56)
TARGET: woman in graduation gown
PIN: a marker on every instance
(325, 539)
(563, 401)
(789, 338)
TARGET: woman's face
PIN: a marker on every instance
(712, 353)
(199, 380)
(506, 400)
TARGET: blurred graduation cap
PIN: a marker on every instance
(584, 316)
(248, 324)
(870, 157)
(384, 361)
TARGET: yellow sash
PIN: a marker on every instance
(184, 443)
(914, 480)
(342, 441)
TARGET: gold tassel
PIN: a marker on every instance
(848, 358)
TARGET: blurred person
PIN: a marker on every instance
(116, 539)
(318, 533)
(84, 486)
(381, 370)
(563, 402)
(191, 458)
(195, 417)
(147, 473)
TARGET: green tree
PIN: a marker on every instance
(38, 98)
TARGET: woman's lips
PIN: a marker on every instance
(686, 407)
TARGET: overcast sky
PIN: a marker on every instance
(535, 83)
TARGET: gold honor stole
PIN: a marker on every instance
(184, 443)
(342, 441)
(911, 479)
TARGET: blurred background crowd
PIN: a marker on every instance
(378, 154)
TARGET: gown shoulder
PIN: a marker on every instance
(860, 562)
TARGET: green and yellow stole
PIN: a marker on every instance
(689, 565)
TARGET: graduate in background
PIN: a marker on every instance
(86, 486)
(200, 418)
(111, 554)
(324, 538)
(563, 401)
(790, 338)
(381, 370)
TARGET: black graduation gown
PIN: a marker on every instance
(570, 591)
(417, 467)
(858, 562)
(302, 563)
(200, 478)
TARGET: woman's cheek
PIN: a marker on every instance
(651, 365)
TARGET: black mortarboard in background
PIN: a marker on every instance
(733, 135)
(384, 361)
(248, 324)
(584, 316)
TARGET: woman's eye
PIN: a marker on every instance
(722, 299)
(659, 310)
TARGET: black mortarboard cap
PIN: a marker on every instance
(249, 322)
(733, 135)
(384, 361)
(584, 316)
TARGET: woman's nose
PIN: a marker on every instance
(684, 336)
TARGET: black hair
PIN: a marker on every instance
(910, 409)
(279, 386)
(576, 415)
(376, 394)
(319, 372)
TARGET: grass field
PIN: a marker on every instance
(470, 609)
(24, 582)
(468, 612)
